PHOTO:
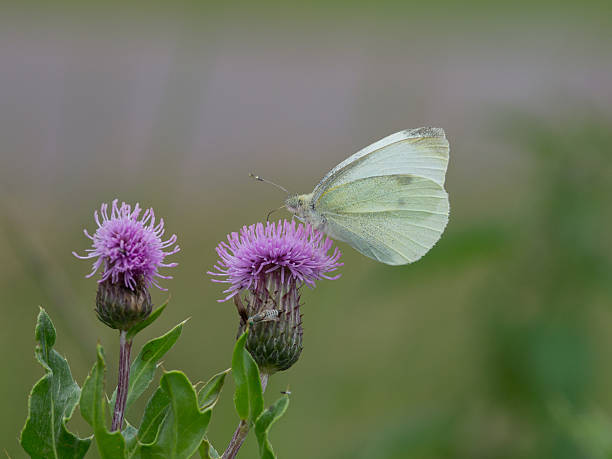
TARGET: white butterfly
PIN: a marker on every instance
(388, 200)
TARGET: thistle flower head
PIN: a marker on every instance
(299, 253)
(268, 265)
(128, 247)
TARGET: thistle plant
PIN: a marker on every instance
(266, 267)
(129, 250)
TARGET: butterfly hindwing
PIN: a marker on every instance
(394, 219)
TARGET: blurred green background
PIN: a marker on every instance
(497, 344)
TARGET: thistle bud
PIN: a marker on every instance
(275, 324)
(121, 307)
(266, 267)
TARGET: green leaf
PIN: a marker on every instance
(184, 426)
(155, 412)
(209, 394)
(207, 451)
(148, 321)
(256, 400)
(51, 402)
(143, 368)
(265, 421)
(93, 404)
(130, 433)
(241, 395)
(159, 405)
(207, 399)
(248, 397)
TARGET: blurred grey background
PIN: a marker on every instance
(496, 345)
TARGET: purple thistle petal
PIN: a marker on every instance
(129, 249)
(298, 251)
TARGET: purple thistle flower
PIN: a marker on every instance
(128, 249)
(265, 267)
(299, 252)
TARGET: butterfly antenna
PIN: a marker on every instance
(261, 179)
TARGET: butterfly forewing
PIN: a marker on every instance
(422, 152)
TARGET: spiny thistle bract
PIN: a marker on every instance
(268, 265)
(129, 250)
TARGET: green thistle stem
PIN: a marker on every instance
(243, 428)
(125, 346)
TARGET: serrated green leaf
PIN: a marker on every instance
(52, 402)
(143, 368)
(263, 424)
(248, 397)
(148, 321)
(209, 394)
(93, 405)
(184, 426)
(207, 451)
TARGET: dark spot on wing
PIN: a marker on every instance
(424, 132)
(403, 180)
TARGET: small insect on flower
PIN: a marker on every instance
(264, 316)
(266, 266)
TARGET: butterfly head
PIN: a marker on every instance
(296, 204)
(301, 205)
